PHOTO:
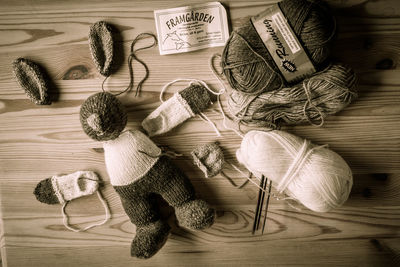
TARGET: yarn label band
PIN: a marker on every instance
(283, 44)
(191, 28)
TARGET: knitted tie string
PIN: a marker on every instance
(74, 229)
(202, 83)
(132, 56)
(218, 75)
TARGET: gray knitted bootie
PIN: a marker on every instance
(149, 239)
(195, 214)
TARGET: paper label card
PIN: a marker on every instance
(190, 28)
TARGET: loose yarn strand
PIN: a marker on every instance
(231, 180)
(66, 219)
(170, 154)
(222, 91)
(248, 177)
(132, 56)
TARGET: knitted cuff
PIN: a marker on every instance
(33, 79)
(60, 189)
(197, 97)
(209, 158)
(182, 106)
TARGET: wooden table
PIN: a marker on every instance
(37, 142)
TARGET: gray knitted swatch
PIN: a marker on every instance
(33, 79)
(209, 158)
(101, 43)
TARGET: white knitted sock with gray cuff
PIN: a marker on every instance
(169, 114)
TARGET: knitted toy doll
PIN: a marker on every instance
(138, 170)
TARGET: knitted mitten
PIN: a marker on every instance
(101, 43)
(138, 171)
(180, 107)
(33, 79)
(209, 158)
(59, 189)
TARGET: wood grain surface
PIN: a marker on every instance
(37, 142)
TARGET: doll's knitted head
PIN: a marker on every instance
(103, 117)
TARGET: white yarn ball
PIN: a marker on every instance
(314, 175)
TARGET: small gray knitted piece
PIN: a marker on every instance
(101, 43)
(209, 158)
(33, 79)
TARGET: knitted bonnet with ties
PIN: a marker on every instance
(62, 189)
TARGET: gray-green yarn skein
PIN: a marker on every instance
(323, 94)
(246, 62)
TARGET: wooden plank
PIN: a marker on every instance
(341, 236)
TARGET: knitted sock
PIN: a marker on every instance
(101, 43)
(180, 107)
(33, 79)
(60, 189)
(209, 158)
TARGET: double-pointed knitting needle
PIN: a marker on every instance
(258, 209)
(264, 187)
(266, 205)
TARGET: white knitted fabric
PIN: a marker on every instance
(169, 114)
(124, 161)
(74, 185)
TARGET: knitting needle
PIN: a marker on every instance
(258, 206)
(266, 205)
(264, 186)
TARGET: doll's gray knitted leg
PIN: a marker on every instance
(172, 184)
(151, 232)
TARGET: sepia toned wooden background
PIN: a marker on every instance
(37, 142)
